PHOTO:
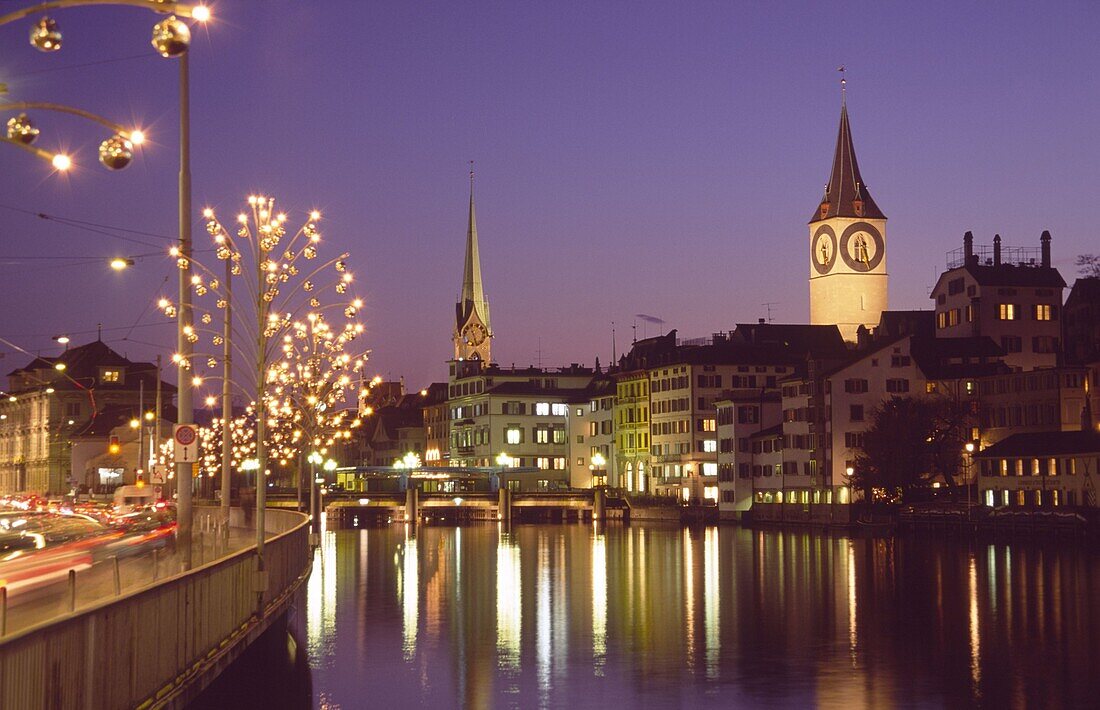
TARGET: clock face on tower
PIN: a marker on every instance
(861, 247)
(823, 250)
(474, 334)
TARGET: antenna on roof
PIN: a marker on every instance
(99, 332)
(769, 305)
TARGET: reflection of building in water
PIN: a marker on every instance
(712, 602)
(408, 591)
(599, 601)
(321, 595)
(509, 602)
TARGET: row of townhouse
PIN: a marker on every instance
(769, 412)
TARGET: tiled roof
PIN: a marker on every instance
(846, 185)
(1038, 444)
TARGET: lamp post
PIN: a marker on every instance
(315, 459)
(171, 38)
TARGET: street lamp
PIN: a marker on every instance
(119, 263)
(171, 38)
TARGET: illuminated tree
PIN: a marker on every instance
(299, 364)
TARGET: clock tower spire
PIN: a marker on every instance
(472, 332)
(847, 244)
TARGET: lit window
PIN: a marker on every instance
(109, 376)
(1042, 311)
(559, 410)
(710, 446)
(543, 462)
(1006, 311)
(514, 435)
(542, 408)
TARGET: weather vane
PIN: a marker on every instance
(843, 81)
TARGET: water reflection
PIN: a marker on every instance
(509, 602)
(584, 616)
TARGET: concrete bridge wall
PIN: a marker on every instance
(161, 645)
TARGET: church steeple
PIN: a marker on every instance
(846, 194)
(848, 279)
(472, 328)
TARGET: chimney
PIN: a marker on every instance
(968, 248)
(996, 249)
(1045, 241)
(761, 321)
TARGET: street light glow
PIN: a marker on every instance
(62, 162)
(119, 263)
(200, 13)
(137, 137)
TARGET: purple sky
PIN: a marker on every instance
(658, 158)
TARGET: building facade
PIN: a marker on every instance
(50, 401)
(1010, 294)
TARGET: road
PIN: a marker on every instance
(97, 583)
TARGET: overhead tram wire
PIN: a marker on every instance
(95, 228)
(50, 70)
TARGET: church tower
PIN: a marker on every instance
(472, 334)
(847, 246)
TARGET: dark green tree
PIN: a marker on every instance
(910, 440)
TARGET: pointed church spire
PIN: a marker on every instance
(846, 194)
(472, 299)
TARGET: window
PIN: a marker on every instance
(542, 409)
(897, 385)
(542, 435)
(513, 434)
(1044, 344)
(559, 410)
(855, 412)
(559, 463)
(110, 375)
(710, 446)
(748, 415)
(1043, 311)
(543, 462)
(855, 386)
(941, 320)
(1012, 343)
(1007, 311)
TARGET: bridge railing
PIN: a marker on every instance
(153, 646)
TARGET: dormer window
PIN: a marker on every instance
(857, 205)
(112, 375)
(824, 210)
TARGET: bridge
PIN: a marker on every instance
(160, 644)
(414, 505)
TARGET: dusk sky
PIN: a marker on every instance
(631, 158)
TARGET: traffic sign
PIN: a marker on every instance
(160, 473)
(186, 439)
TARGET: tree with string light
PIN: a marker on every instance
(297, 359)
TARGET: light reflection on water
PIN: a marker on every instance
(580, 616)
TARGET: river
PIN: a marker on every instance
(576, 616)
